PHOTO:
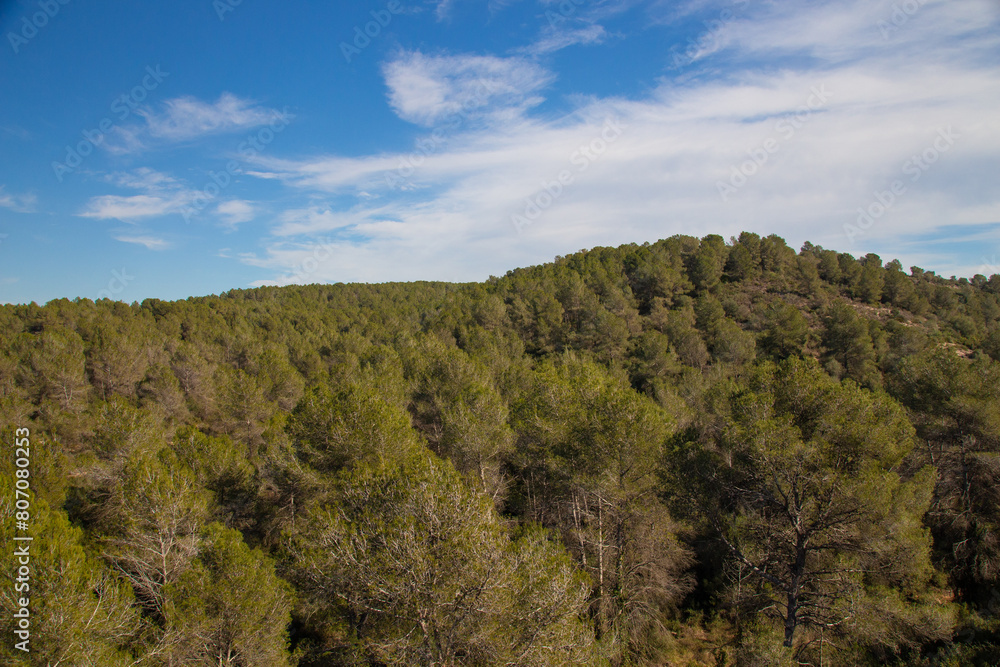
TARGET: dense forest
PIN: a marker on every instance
(690, 452)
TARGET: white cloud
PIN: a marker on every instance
(22, 203)
(876, 114)
(555, 39)
(188, 118)
(161, 195)
(150, 242)
(236, 211)
(443, 9)
(857, 30)
(143, 178)
(131, 208)
(428, 89)
(313, 220)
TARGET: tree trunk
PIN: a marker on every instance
(792, 609)
(790, 618)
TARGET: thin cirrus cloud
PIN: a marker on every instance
(187, 118)
(443, 9)
(143, 178)
(849, 31)
(149, 242)
(161, 195)
(313, 220)
(843, 119)
(19, 203)
(133, 207)
(555, 39)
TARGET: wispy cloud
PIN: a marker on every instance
(132, 208)
(861, 30)
(443, 9)
(161, 195)
(186, 119)
(313, 220)
(150, 242)
(16, 131)
(426, 89)
(235, 212)
(555, 39)
(143, 178)
(20, 203)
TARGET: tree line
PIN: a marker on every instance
(690, 452)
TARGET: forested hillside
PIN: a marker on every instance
(692, 452)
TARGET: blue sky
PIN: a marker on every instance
(177, 149)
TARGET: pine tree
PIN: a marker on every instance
(229, 608)
(426, 574)
(804, 494)
(80, 612)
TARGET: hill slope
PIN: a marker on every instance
(686, 452)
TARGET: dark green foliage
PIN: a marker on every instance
(872, 280)
(956, 408)
(849, 346)
(229, 607)
(707, 263)
(802, 490)
(331, 431)
(80, 612)
(787, 331)
(745, 257)
(536, 469)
